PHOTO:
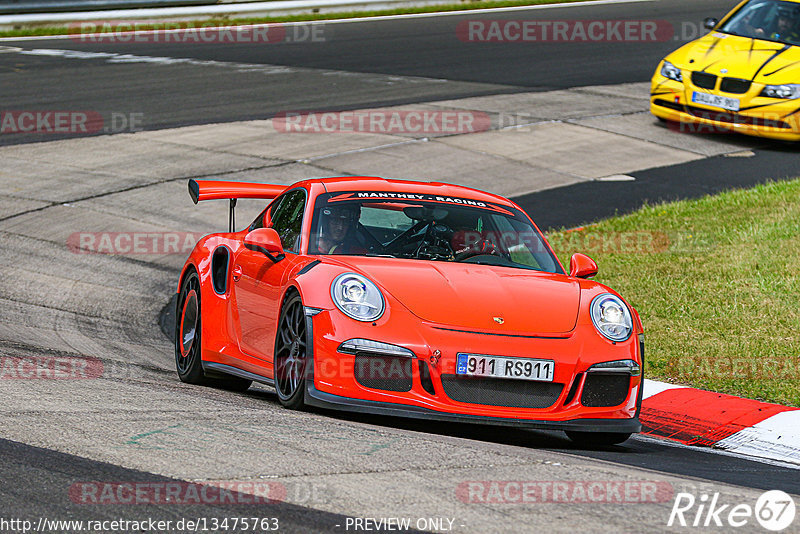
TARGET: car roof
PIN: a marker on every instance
(375, 183)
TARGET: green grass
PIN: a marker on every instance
(26, 30)
(717, 284)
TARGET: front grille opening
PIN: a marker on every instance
(704, 80)
(574, 389)
(668, 104)
(735, 118)
(425, 378)
(605, 389)
(722, 116)
(735, 85)
(501, 392)
(388, 373)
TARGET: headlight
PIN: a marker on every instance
(668, 70)
(787, 91)
(611, 317)
(357, 297)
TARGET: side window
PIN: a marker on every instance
(259, 222)
(287, 219)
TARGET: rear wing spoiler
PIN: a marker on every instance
(217, 190)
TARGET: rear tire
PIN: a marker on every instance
(291, 354)
(597, 439)
(188, 361)
(187, 332)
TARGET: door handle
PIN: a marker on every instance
(237, 272)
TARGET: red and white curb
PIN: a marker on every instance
(704, 418)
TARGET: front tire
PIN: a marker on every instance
(291, 354)
(597, 439)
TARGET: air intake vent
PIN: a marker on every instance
(671, 105)
(574, 389)
(500, 392)
(425, 378)
(704, 80)
(605, 389)
(383, 372)
(735, 118)
(219, 270)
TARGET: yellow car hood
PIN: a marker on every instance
(760, 61)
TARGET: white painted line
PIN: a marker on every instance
(742, 154)
(617, 178)
(308, 4)
(678, 445)
(777, 437)
(111, 57)
(653, 387)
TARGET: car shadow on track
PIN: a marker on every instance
(501, 435)
(650, 454)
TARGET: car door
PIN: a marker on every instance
(258, 280)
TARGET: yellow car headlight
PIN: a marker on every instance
(787, 91)
(668, 70)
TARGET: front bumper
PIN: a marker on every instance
(335, 385)
(314, 397)
(758, 116)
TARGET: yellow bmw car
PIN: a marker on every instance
(743, 76)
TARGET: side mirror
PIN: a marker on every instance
(267, 241)
(710, 23)
(582, 266)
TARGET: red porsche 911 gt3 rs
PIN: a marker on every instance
(404, 298)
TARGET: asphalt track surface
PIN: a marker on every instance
(423, 57)
(51, 472)
(427, 50)
(574, 205)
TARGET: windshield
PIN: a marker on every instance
(427, 227)
(772, 20)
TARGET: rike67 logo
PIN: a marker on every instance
(774, 510)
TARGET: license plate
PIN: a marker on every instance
(722, 102)
(504, 367)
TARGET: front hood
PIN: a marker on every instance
(471, 296)
(760, 61)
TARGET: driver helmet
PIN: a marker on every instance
(347, 212)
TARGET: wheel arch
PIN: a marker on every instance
(291, 289)
(187, 268)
